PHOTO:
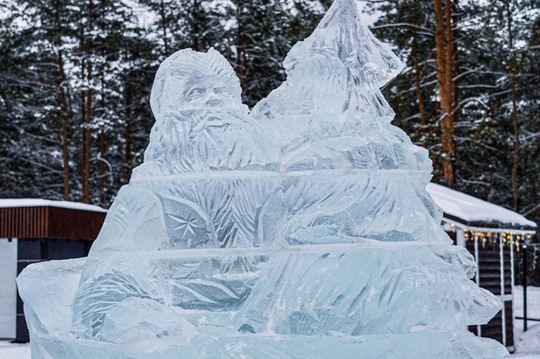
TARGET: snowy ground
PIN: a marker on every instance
(528, 342)
(22, 351)
(14, 351)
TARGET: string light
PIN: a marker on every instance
(508, 238)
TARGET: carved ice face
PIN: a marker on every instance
(189, 80)
(196, 92)
(208, 92)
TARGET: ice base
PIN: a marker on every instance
(420, 345)
(341, 279)
(439, 337)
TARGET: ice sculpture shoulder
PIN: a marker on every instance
(301, 230)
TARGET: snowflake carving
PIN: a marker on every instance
(187, 223)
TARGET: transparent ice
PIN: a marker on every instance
(301, 230)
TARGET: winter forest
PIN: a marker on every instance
(75, 80)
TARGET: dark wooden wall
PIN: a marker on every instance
(49, 222)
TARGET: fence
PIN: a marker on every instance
(527, 289)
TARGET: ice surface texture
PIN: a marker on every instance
(301, 230)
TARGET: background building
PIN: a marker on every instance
(35, 230)
(492, 234)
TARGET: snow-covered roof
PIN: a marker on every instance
(474, 210)
(36, 202)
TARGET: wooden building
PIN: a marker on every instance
(491, 234)
(35, 230)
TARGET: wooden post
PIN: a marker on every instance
(525, 269)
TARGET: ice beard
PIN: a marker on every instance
(310, 235)
(218, 139)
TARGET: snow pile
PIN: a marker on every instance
(472, 209)
(529, 342)
(14, 351)
(37, 202)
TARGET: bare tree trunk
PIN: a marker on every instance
(63, 135)
(417, 68)
(65, 160)
(102, 144)
(195, 25)
(534, 199)
(241, 55)
(127, 134)
(512, 70)
(86, 131)
(417, 78)
(164, 27)
(83, 126)
(455, 63)
(102, 148)
(444, 49)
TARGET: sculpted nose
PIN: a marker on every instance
(214, 101)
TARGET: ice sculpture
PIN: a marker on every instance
(302, 230)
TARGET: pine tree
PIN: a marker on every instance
(496, 90)
(122, 54)
(408, 26)
(488, 144)
(531, 113)
(40, 110)
(69, 80)
(259, 46)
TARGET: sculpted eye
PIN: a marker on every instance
(221, 90)
(196, 93)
